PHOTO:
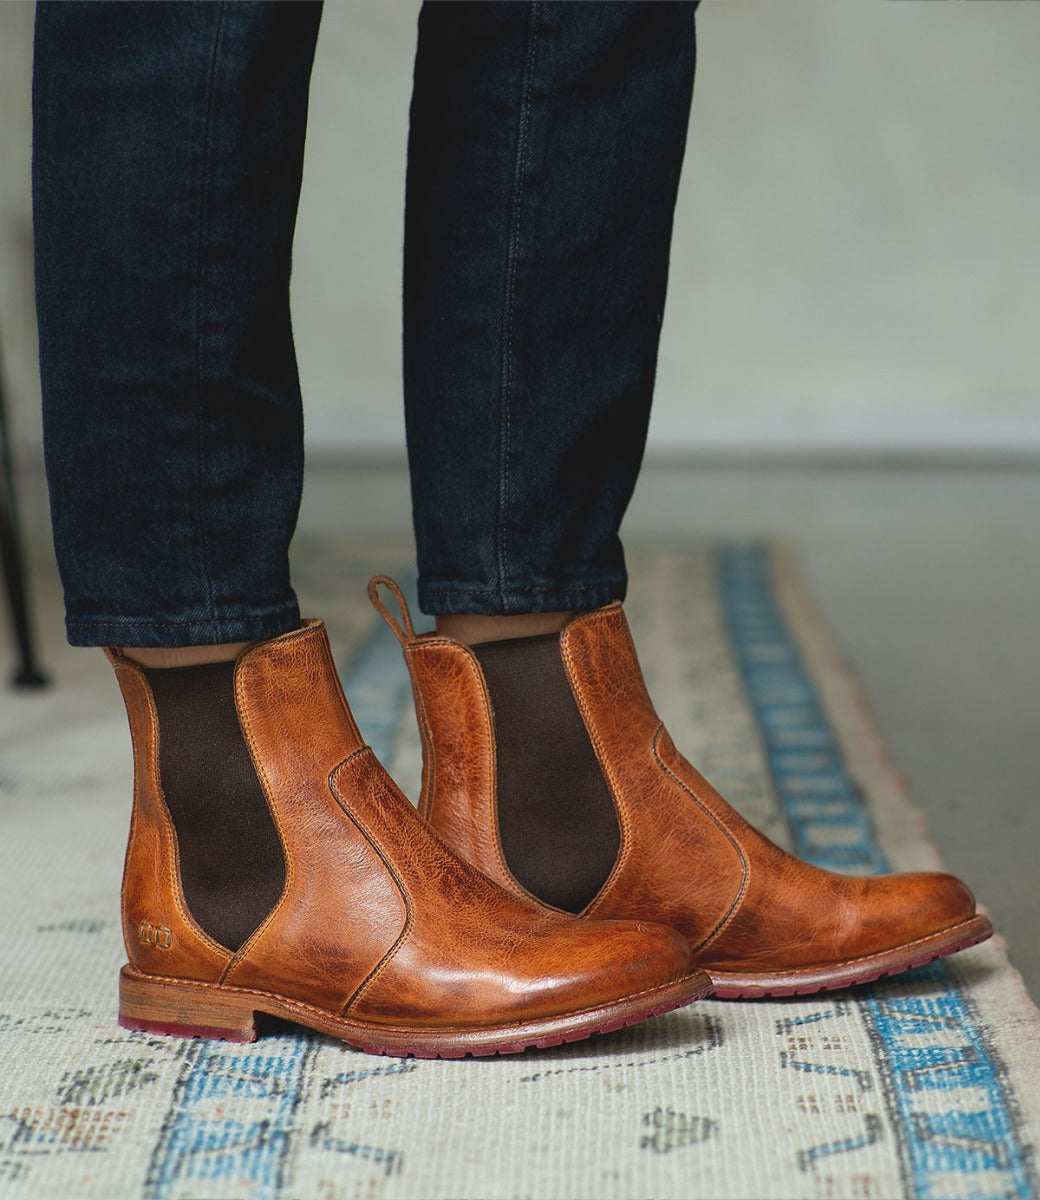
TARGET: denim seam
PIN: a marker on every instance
(203, 211)
(512, 253)
(229, 619)
(452, 589)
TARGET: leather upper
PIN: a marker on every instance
(687, 858)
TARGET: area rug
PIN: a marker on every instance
(926, 1085)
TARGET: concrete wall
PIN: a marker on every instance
(857, 248)
(856, 253)
(17, 319)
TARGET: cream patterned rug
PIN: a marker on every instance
(927, 1085)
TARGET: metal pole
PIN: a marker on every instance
(27, 674)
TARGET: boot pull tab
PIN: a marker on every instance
(405, 634)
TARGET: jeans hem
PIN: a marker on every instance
(454, 598)
(134, 631)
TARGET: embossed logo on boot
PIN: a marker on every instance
(155, 935)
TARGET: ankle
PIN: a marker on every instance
(183, 656)
(473, 628)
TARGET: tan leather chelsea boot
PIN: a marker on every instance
(274, 867)
(546, 766)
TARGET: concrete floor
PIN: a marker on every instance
(930, 582)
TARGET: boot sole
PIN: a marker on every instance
(185, 1008)
(731, 985)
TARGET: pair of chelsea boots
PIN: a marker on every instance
(273, 867)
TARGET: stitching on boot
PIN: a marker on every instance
(731, 912)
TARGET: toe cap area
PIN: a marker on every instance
(566, 966)
(883, 912)
(914, 905)
(818, 919)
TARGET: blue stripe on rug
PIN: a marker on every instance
(947, 1100)
(211, 1133)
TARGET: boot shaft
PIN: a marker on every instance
(524, 741)
(217, 775)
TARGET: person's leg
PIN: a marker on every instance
(168, 152)
(536, 255)
(544, 156)
(272, 865)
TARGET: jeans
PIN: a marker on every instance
(544, 153)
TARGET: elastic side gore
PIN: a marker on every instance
(231, 860)
(557, 822)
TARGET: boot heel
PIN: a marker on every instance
(183, 1009)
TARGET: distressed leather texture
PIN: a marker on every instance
(458, 783)
(687, 858)
(378, 919)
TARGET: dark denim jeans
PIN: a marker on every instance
(543, 160)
